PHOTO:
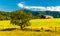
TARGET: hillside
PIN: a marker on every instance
(55, 14)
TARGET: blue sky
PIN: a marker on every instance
(11, 5)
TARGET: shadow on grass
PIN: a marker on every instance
(26, 29)
(31, 30)
(38, 30)
(8, 29)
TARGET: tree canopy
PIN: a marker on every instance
(21, 18)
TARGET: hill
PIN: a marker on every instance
(55, 14)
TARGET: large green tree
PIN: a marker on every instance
(20, 18)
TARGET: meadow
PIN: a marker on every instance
(35, 23)
(46, 22)
(6, 24)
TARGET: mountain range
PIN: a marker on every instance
(55, 14)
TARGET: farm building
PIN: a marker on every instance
(46, 17)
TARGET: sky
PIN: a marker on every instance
(40, 5)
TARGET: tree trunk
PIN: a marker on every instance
(21, 27)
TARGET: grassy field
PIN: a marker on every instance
(34, 23)
(27, 33)
(6, 24)
(46, 22)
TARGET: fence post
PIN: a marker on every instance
(55, 29)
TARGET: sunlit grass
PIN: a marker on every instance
(45, 22)
(34, 23)
(6, 24)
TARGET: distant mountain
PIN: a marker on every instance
(55, 14)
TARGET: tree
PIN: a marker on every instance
(20, 18)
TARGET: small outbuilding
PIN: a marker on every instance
(46, 17)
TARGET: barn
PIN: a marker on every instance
(46, 17)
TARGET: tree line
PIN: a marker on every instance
(7, 15)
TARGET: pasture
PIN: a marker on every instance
(6, 24)
(46, 22)
(35, 23)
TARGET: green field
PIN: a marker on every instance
(34, 23)
(46, 22)
(6, 24)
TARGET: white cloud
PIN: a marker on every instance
(20, 5)
(40, 8)
(53, 8)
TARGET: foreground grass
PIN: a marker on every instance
(27, 33)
